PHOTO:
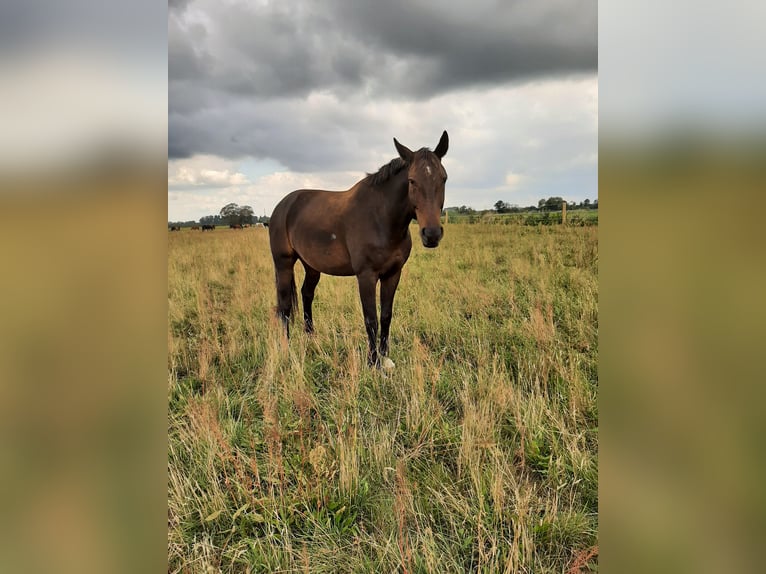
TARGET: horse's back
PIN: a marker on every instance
(307, 208)
(309, 224)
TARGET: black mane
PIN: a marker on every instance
(393, 167)
(386, 172)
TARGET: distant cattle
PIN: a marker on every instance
(195, 227)
(206, 227)
(235, 226)
(175, 228)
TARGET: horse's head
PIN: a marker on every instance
(426, 177)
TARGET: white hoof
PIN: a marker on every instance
(387, 364)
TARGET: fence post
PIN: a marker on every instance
(564, 213)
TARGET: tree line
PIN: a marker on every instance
(233, 214)
(545, 205)
(230, 214)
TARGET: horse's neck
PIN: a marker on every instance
(394, 204)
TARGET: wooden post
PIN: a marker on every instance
(564, 213)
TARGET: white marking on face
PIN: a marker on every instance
(428, 169)
(332, 236)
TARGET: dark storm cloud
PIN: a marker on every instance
(265, 52)
(302, 135)
(478, 42)
(135, 28)
(231, 65)
(178, 4)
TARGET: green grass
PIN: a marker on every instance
(478, 453)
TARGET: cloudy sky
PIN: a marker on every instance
(266, 97)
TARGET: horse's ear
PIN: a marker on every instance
(441, 149)
(404, 152)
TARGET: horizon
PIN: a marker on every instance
(445, 209)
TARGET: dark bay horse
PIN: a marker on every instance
(363, 231)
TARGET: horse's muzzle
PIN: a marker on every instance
(431, 236)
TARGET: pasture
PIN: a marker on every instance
(478, 453)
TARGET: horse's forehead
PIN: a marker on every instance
(431, 166)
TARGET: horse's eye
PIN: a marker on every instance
(412, 182)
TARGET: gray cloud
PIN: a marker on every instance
(317, 134)
(110, 27)
(242, 77)
(477, 42)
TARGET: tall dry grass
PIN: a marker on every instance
(478, 453)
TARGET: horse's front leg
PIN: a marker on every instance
(367, 283)
(388, 287)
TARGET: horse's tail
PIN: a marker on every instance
(293, 297)
(282, 311)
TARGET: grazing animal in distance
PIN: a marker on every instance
(206, 227)
(363, 231)
(235, 226)
(175, 228)
(195, 227)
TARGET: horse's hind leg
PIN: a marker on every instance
(286, 295)
(307, 293)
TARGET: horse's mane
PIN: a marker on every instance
(386, 172)
(393, 167)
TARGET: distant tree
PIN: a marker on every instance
(230, 213)
(586, 204)
(502, 207)
(210, 220)
(233, 214)
(551, 204)
(246, 215)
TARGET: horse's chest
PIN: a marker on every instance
(392, 257)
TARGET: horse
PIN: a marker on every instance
(235, 226)
(363, 231)
(195, 227)
(175, 228)
(206, 227)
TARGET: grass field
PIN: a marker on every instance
(478, 453)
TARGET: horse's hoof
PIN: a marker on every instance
(387, 364)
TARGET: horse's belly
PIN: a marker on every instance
(326, 255)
